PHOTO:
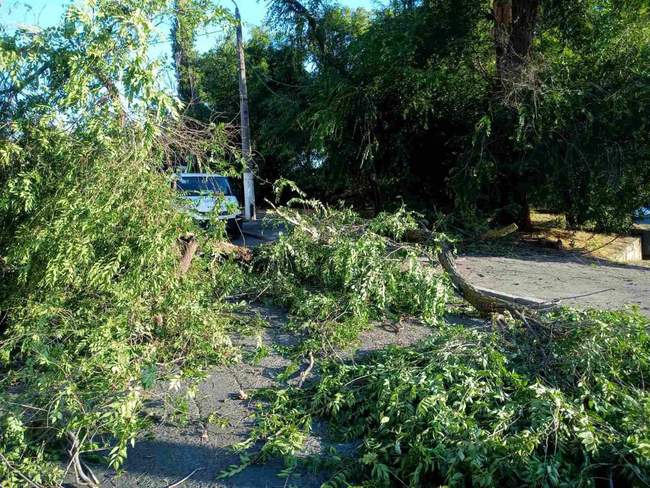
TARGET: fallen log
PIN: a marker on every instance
(485, 301)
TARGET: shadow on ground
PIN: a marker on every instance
(161, 463)
(539, 254)
(575, 279)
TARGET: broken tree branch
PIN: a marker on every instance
(189, 246)
(180, 482)
(240, 253)
(11, 467)
(487, 302)
(295, 220)
(83, 474)
(305, 374)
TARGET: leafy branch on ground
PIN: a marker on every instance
(93, 305)
(337, 273)
(566, 406)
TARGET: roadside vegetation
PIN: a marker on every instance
(106, 287)
(451, 105)
(547, 399)
(93, 304)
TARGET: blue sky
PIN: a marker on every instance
(45, 13)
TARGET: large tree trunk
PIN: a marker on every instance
(514, 31)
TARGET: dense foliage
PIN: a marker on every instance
(336, 273)
(416, 102)
(409, 100)
(93, 306)
(565, 404)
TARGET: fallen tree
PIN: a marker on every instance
(315, 224)
(338, 273)
(553, 397)
(488, 302)
(96, 301)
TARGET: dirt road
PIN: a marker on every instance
(549, 274)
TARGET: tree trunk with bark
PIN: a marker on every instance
(514, 30)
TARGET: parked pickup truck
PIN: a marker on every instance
(202, 192)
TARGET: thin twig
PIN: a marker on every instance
(306, 372)
(20, 475)
(180, 482)
(583, 295)
(83, 473)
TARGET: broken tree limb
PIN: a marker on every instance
(234, 251)
(28, 481)
(83, 474)
(189, 245)
(485, 301)
(296, 220)
(305, 374)
(180, 482)
(517, 299)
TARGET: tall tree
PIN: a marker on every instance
(514, 30)
(182, 36)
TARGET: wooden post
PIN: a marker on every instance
(249, 179)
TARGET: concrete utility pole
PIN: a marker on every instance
(249, 179)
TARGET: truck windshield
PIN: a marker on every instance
(196, 185)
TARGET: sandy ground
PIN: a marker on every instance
(171, 452)
(550, 274)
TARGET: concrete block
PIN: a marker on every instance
(643, 231)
